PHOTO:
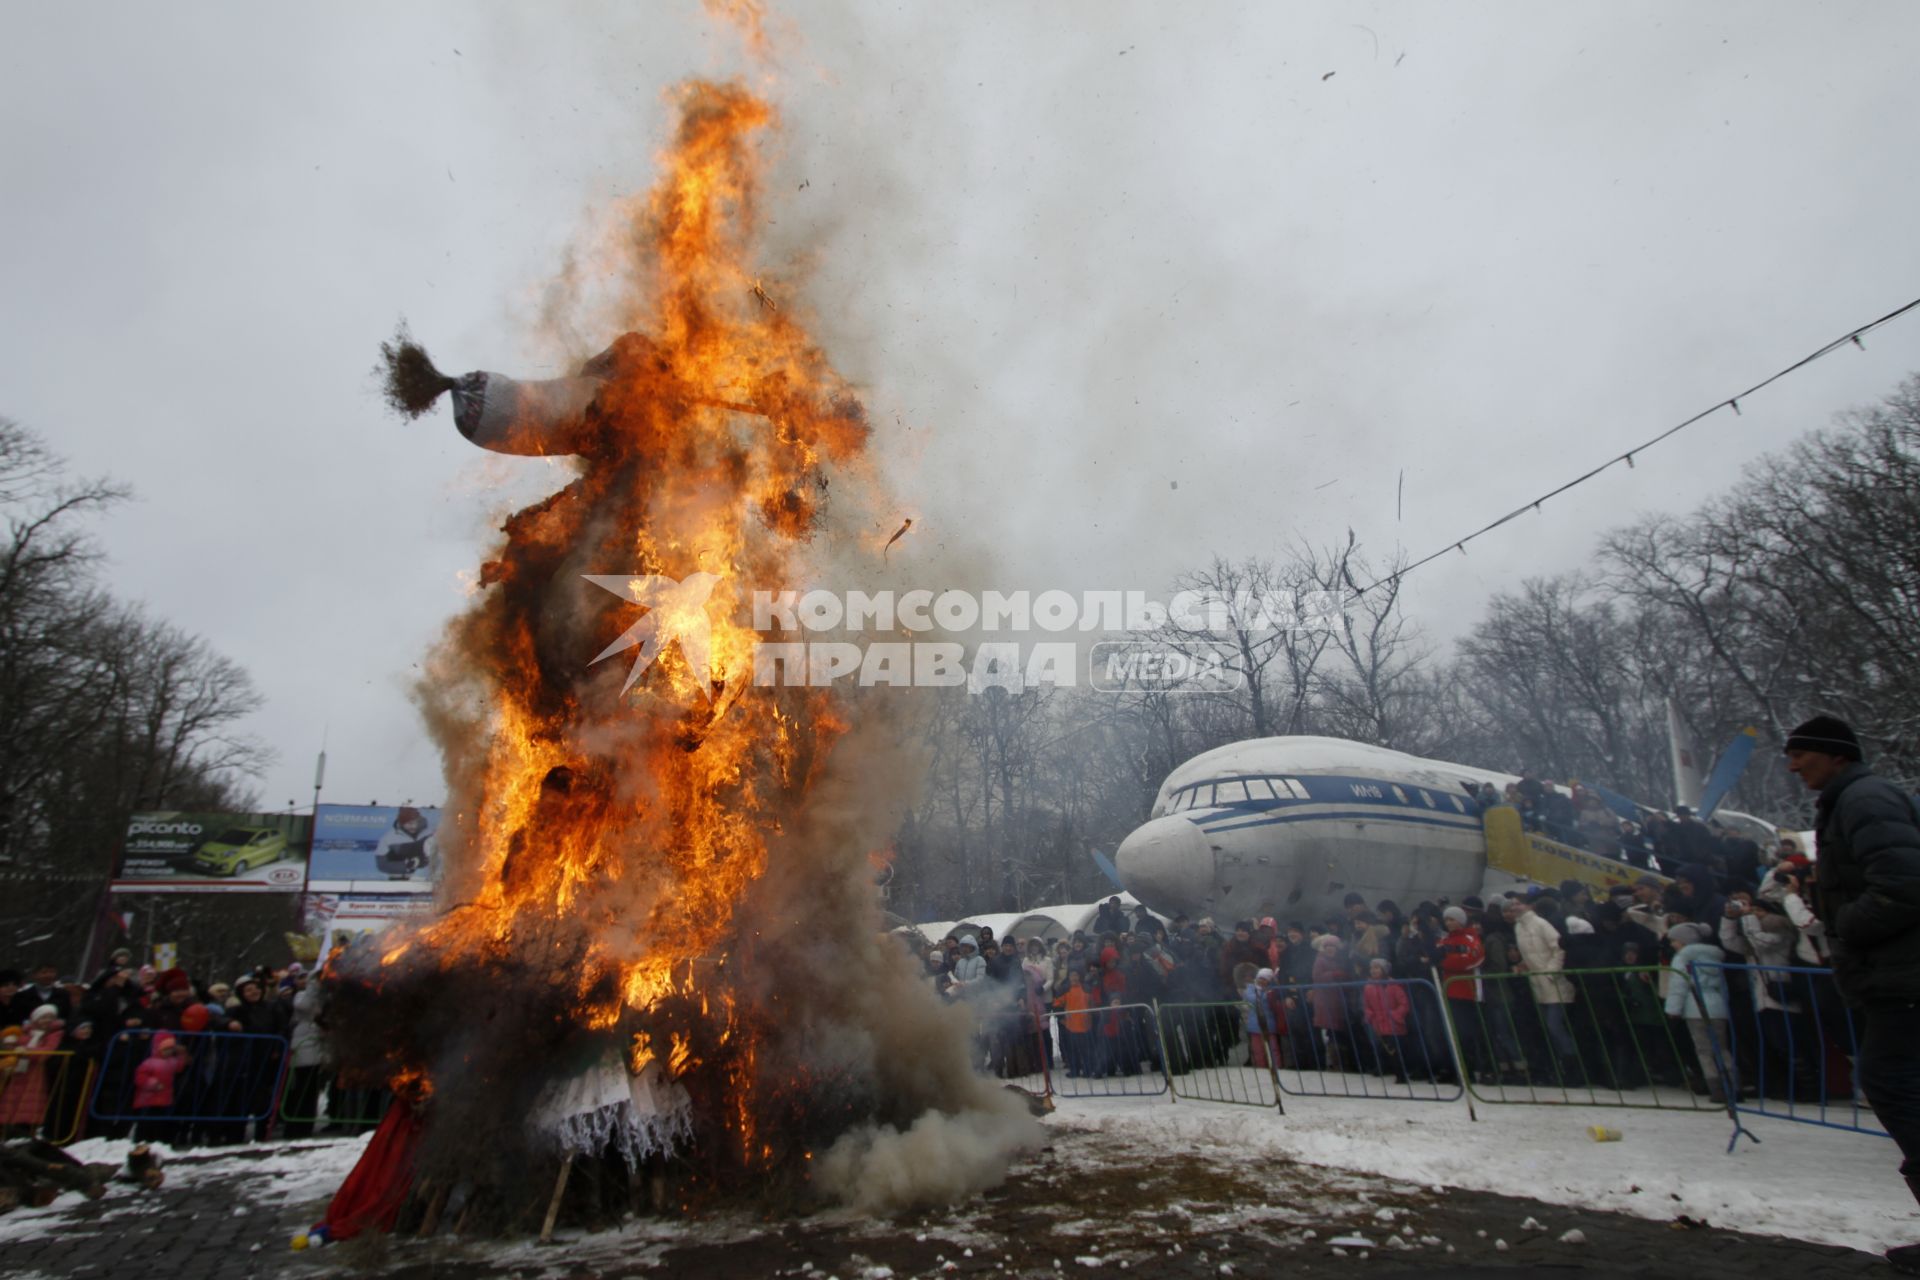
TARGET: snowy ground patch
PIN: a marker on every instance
(274, 1175)
(1665, 1165)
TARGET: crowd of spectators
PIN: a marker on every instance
(1582, 817)
(1361, 991)
(164, 1056)
(1559, 1024)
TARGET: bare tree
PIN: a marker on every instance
(107, 711)
(1378, 694)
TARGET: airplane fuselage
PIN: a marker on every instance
(1288, 827)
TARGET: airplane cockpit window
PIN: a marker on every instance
(1294, 787)
(1194, 797)
(1230, 792)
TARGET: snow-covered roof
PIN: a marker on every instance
(1047, 923)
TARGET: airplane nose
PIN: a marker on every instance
(1168, 865)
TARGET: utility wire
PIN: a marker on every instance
(1731, 402)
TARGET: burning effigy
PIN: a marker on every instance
(658, 962)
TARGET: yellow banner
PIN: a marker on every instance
(1528, 854)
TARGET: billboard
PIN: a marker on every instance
(341, 919)
(175, 852)
(383, 849)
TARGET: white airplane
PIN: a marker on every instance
(1287, 827)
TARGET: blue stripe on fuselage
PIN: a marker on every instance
(1225, 820)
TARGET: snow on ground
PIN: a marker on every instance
(274, 1175)
(1802, 1182)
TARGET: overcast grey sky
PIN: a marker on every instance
(1074, 253)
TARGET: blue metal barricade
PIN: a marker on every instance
(1339, 1041)
(1787, 1049)
(205, 1086)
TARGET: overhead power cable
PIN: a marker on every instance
(1851, 337)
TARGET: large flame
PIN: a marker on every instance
(611, 836)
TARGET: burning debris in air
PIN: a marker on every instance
(659, 947)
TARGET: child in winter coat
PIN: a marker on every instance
(1262, 1026)
(1076, 1027)
(1386, 1009)
(153, 1089)
(23, 1085)
(1695, 959)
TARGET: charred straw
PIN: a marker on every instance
(409, 381)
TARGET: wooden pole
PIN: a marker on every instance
(553, 1206)
(431, 1222)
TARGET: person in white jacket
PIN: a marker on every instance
(1783, 886)
(969, 971)
(1757, 931)
(1696, 960)
(1820, 1000)
(1542, 960)
(300, 1107)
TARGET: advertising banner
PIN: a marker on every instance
(341, 919)
(175, 852)
(381, 849)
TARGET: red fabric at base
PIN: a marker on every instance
(373, 1193)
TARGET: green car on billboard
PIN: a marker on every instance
(238, 849)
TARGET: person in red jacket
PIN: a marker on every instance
(1386, 1009)
(1461, 956)
(1112, 981)
(1119, 1053)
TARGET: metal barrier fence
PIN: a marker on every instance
(218, 1082)
(1110, 1051)
(1367, 1039)
(1787, 1048)
(1637, 1036)
(43, 1093)
(1210, 1058)
(317, 1100)
(1575, 1037)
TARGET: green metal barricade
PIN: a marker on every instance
(1209, 1058)
(314, 1101)
(1608, 1044)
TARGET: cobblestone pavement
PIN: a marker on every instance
(1085, 1206)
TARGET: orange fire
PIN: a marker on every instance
(613, 836)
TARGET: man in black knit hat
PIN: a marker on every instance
(1868, 878)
